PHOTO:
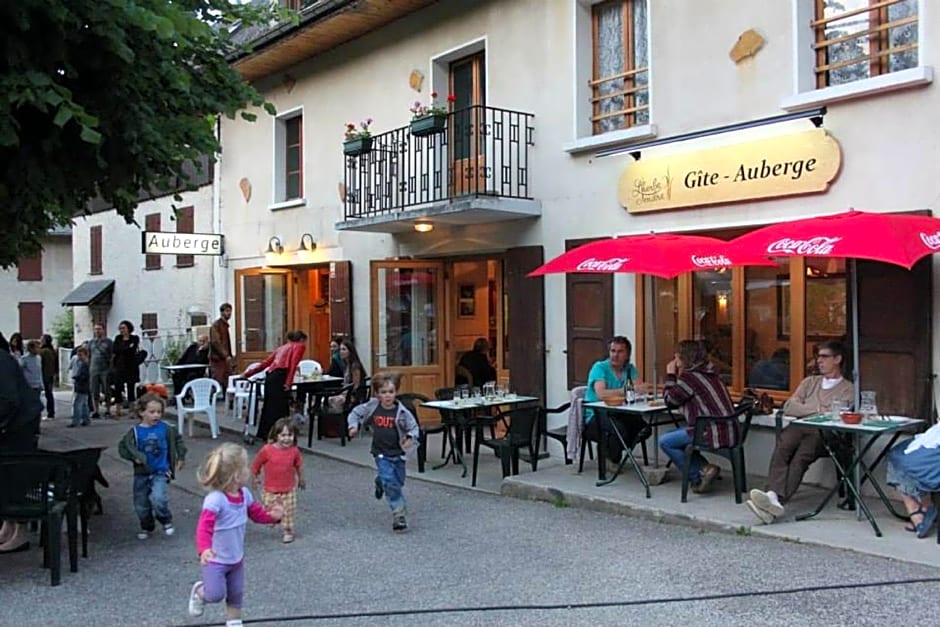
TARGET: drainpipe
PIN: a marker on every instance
(219, 269)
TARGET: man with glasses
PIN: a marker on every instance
(798, 448)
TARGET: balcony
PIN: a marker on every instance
(472, 169)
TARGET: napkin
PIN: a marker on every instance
(882, 424)
(821, 418)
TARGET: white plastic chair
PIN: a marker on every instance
(309, 367)
(204, 392)
(241, 398)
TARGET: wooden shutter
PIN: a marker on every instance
(185, 222)
(253, 306)
(341, 322)
(30, 268)
(148, 324)
(152, 224)
(31, 320)
(94, 254)
(894, 318)
(526, 322)
(589, 302)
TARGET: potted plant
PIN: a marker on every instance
(427, 119)
(358, 140)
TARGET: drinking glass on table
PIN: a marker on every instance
(457, 396)
(650, 393)
(475, 394)
(464, 396)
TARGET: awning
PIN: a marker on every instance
(91, 293)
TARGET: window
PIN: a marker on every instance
(31, 320)
(94, 266)
(761, 323)
(152, 224)
(185, 224)
(289, 158)
(148, 324)
(620, 81)
(262, 306)
(30, 268)
(858, 39)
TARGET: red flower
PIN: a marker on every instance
(451, 98)
(433, 94)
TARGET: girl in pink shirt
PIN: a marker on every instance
(220, 533)
(282, 463)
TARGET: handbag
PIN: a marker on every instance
(140, 356)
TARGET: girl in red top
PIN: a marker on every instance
(280, 368)
(282, 463)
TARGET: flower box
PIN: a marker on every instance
(356, 147)
(428, 125)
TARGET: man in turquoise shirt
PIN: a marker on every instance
(611, 374)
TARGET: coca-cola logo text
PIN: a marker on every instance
(711, 261)
(931, 240)
(812, 246)
(602, 265)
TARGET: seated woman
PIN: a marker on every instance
(195, 353)
(695, 388)
(914, 470)
(353, 372)
(477, 363)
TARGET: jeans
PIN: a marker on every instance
(99, 387)
(80, 414)
(50, 399)
(673, 445)
(391, 474)
(151, 501)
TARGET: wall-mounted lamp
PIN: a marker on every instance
(307, 243)
(817, 121)
(274, 246)
(636, 154)
(722, 300)
(423, 227)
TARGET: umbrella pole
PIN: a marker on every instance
(651, 290)
(856, 357)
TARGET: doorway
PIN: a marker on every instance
(467, 84)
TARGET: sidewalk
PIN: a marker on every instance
(563, 485)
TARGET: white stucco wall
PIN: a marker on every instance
(170, 292)
(890, 148)
(56, 283)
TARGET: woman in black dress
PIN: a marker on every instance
(125, 367)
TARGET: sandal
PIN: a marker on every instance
(930, 517)
(911, 525)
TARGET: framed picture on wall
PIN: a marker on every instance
(825, 308)
(466, 301)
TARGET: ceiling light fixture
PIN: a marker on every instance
(423, 227)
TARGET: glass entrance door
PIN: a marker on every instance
(407, 322)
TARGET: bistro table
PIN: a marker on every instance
(643, 409)
(316, 389)
(853, 475)
(462, 413)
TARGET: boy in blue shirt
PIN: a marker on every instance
(157, 452)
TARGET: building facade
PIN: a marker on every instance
(35, 286)
(573, 120)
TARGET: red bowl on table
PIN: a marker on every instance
(851, 417)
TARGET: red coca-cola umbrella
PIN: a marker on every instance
(901, 239)
(661, 254)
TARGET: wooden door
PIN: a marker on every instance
(408, 313)
(526, 320)
(341, 323)
(894, 317)
(590, 319)
(467, 139)
(263, 312)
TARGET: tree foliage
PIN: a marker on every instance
(108, 98)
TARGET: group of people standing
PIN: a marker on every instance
(39, 362)
(113, 367)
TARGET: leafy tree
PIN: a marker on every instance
(107, 99)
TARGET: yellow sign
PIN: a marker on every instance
(801, 163)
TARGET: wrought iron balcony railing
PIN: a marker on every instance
(474, 151)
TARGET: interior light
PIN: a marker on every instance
(423, 227)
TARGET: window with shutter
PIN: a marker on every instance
(152, 224)
(31, 320)
(185, 222)
(30, 268)
(95, 243)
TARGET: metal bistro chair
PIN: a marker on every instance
(706, 437)
(521, 432)
(85, 473)
(36, 486)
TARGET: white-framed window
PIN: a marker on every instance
(612, 73)
(289, 159)
(853, 48)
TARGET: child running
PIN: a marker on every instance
(220, 533)
(157, 452)
(394, 434)
(282, 464)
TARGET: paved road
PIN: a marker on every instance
(469, 559)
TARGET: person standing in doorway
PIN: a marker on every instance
(100, 352)
(221, 361)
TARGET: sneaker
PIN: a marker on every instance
(379, 492)
(287, 538)
(398, 523)
(169, 529)
(234, 622)
(709, 473)
(143, 535)
(765, 516)
(767, 501)
(196, 605)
